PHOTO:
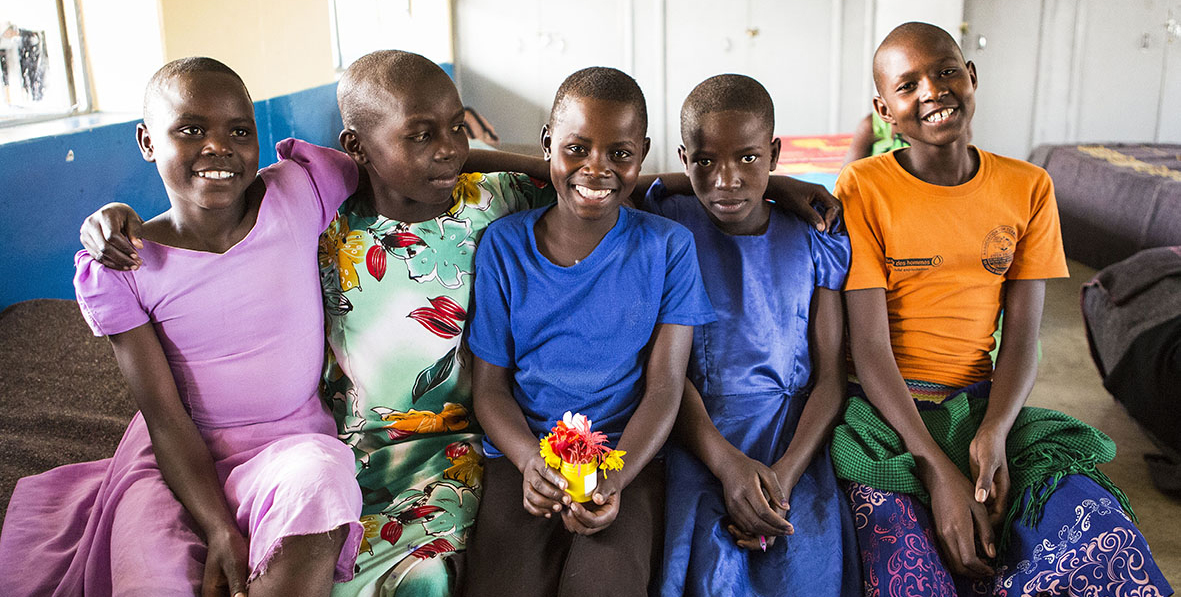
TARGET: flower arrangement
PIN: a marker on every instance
(576, 451)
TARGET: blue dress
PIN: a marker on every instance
(753, 369)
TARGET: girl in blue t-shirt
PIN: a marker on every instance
(586, 307)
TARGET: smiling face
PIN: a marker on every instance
(926, 89)
(200, 133)
(595, 149)
(414, 150)
(729, 157)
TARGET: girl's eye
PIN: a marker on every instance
(906, 87)
(577, 149)
(621, 154)
(459, 128)
(420, 137)
(947, 72)
(749, 159)
(190, 130)
(240, 132)
(705, 162)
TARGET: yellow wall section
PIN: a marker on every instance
(277, 46)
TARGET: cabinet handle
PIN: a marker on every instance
(752, 32)
(981, 43)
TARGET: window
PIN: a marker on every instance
(40, 75)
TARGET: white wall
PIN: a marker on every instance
(813, 56)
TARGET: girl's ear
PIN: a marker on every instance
(144, 140)
(684, 156)
(352, 146)
(879, 106)
(776, 146)
(972, 74)
(545, 141)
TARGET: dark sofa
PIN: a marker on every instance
(65, 399)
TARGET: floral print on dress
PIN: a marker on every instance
(396, 296)
(434, 250)
(1100, 554)
(342, 249)
(402, 424)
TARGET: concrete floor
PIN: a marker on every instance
(1068, 381)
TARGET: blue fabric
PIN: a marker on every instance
(576, 337)
(753, 369)
(1085, 545)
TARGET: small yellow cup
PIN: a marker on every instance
(582, 479)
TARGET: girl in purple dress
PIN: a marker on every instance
(230, 475)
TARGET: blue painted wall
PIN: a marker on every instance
(44, 197)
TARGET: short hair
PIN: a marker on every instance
(727, 93)
(180, 67)
(926, 34)
(602, 83)
(364, 89)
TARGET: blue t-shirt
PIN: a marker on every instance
(576, 337)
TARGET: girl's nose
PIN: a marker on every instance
(218, 145)
(596, 165)
(727, 178)
(448, 147)
(931, 90)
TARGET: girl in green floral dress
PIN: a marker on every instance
(395, 268)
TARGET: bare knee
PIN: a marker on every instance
(302, 565)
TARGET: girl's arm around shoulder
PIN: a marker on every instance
(112, 236)
(182, 455)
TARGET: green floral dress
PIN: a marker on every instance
(397, 376)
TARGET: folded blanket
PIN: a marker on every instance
(1043, 447)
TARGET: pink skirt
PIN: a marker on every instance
(113, 526)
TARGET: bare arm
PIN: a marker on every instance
(112, 235)
(1012, 380)
(491, 160)
(502, 419)
(827, 342)
(791, 195)
(183, 457)
(959, 519)
(754, 498)
(664, 381)
(646, 430)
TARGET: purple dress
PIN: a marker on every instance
(243, 332)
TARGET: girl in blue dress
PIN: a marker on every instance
(753, 507)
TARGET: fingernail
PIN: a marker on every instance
(981, 495)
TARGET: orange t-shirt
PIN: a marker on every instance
(943, 253)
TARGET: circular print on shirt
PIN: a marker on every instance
(996, 254)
